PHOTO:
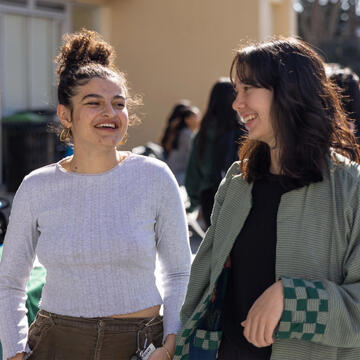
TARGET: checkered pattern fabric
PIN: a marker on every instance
(305, 312)
(207, 340)
(182, 347)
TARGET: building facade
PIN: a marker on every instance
(169, 50)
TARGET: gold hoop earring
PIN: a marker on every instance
(124, 139)
(122, 142)
(65, 134)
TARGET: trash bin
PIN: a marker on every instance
(27, 144)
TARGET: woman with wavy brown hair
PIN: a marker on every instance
(278, 273)
(97, 221)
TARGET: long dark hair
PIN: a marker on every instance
(306, 114)
(220, 112)
(175, 112)
(170, 140)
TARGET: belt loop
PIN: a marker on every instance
(45, 314)
(153, 321)
(150, 321)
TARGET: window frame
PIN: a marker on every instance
(61, 18)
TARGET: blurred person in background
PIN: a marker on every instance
(348, 83)
(178, 138)
(97, 221)
(171, 122)
(214, 148)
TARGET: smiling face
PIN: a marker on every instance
(99, 117)
(253, 105)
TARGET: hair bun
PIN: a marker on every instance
(81, 49)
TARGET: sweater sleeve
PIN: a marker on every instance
(173, 250)
(15, 267)
(201, 267)
(323, 311)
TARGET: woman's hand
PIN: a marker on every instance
(166, 352)
(264, 316)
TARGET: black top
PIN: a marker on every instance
(253, 260)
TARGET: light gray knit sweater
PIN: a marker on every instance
(98, 237)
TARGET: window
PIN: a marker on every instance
(14, 2)
(29, 38)
(50, 6)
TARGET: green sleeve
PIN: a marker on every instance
(323, 311)
(200, 269)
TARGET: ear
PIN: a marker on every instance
(64, 115)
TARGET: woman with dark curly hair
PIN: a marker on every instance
(97, 221)
(278, 273)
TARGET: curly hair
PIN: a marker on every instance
(306, 114)
(84, 56)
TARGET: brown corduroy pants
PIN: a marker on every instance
(57, 337)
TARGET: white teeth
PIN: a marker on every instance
(248, 118)
(106, 125)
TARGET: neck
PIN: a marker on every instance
(193, 128)
(275, 167)
(94, 162)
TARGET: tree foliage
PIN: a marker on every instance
(332, 26)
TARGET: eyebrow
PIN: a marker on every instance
(101, 97)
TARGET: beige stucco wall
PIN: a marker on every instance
(177, 49)
(91, 14)
(284, 18)
(172, 50)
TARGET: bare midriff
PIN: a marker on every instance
(145, 313)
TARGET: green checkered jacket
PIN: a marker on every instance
(317, 257)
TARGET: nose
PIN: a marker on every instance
(109, 111)
(239, 102)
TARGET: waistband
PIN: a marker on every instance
(127, 324)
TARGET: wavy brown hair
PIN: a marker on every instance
(306, 114)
